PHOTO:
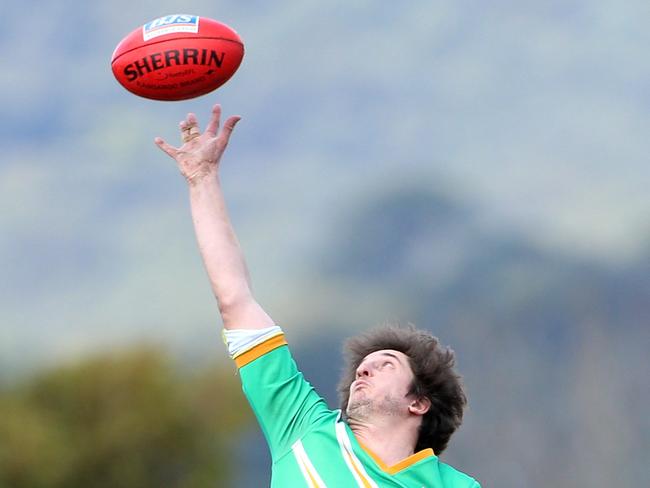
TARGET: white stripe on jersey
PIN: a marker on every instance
(354, 465)
(306, 467)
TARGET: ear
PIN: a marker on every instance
(420, 406)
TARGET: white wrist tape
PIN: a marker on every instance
(241, 340)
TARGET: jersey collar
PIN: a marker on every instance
(395, 468)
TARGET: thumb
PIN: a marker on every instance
(169, 149)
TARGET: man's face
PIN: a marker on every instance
(382, 383)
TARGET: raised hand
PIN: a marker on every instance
(200, 154)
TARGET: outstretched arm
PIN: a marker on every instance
(198, 160)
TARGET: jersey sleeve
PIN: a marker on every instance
(285, 404)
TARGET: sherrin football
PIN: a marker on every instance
(177, 57)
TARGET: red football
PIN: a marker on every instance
(177, 57)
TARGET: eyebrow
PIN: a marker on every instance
(392, 356)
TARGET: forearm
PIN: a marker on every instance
(198, 161)
(223, 258)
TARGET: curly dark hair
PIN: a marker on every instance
(434, 378)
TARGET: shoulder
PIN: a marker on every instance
(454, 478)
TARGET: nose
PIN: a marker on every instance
(363, 370)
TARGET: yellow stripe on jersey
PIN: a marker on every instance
(354, 465)
(306, 467)
(403, 464)
(364, 481)
(409, 461)
(260, 350)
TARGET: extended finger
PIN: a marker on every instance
(189, 128)
(168, 148)
(191, 120)
(229, 126)
(213, 125)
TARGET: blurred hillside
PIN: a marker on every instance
(475, 168)
(128, 419)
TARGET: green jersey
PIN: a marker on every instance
(311, 446)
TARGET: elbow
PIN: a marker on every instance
(235, 304)
(241, 311)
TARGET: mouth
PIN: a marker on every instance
(359, 384)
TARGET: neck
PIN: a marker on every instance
(389, 439)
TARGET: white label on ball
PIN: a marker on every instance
(170, 24)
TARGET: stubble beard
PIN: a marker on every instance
(365, 408)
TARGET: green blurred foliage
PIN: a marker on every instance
(131, 419)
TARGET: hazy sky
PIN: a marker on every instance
(536, 114)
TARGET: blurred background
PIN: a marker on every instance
(476, 168)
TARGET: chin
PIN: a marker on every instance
(358, 407)
(358, 397)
